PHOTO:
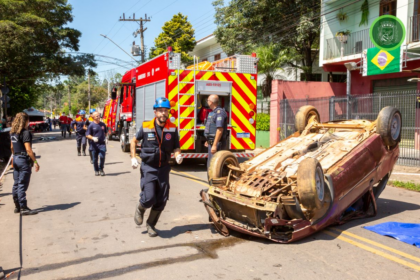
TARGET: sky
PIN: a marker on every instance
(95, 17)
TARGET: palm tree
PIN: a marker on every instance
(271, 58)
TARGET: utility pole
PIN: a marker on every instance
(139, 31)
(89, 89)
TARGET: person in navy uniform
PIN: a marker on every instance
(23, 160)
(216, 128)
(159, 139)
(79, 126)
(96, 132)
(88, 121)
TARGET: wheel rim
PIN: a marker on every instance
(395, 126)
(311, 117)
(225, 170)
(319, 184)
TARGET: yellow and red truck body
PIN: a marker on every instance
(233, 79)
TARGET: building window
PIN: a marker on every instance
(314, 77)
(337, 78)
(217, 56)
(204, 59)
(388, 7)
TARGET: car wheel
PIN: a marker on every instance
(305, 115)
(379, 188)
(389, 125)
(310, 184)
(218, 165)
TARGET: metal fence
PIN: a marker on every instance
(413, 32)
(355, 44)
(263, 106)
(363, 107)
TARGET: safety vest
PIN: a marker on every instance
(156, 151)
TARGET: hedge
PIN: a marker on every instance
(263, 122)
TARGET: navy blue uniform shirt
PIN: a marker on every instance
(18, 141)
(97, 130)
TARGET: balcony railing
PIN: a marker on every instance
(356, 43)
(414, 29)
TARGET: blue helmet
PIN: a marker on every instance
(92, 111)
(82, 112)
(162, 102)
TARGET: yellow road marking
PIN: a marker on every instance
(405, 255)
(372, 250)
(191, 177)
(111, 146)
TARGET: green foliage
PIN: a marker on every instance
(65, 110)
(271, 58)
(242, 25)
(33, 35)
(179, 34)
(365, 13)
(263, 122)
(406, 185)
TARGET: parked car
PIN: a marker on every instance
(323, 174)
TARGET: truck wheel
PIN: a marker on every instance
(389, 125)
(124, 146)
(305, 115)
(218, 165)
(310, 184)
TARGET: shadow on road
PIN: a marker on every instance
(5, 194)
(116, 174)
(61, 207)
(109, 163)
(185, 229)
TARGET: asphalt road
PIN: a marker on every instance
(85, 230)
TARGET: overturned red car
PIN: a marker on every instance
(323, 174)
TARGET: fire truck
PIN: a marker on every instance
(233, 79)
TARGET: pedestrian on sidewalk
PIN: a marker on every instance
(23, 161)
(63, 120)
(96, 132)
(160, 139)
(79, 126)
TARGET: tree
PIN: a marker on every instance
(294, 24)
(271, 58)
(34, 37)
(177, 33)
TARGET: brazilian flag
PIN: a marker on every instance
(383, 62)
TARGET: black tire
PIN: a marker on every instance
(304, 115)
(389, 125)
(379, 188)
(218, 165)
(124, 146)
(310, 183)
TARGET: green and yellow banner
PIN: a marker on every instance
(382, 61)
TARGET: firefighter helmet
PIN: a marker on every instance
(162, 102)
(92, 111)
(82, 112)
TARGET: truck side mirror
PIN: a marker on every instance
(114, 94)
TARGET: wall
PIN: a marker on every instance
(297, 90)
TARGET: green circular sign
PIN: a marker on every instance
(387, 32)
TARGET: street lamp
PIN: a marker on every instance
(119, 47)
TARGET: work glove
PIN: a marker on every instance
(179, 159)
(134, 163)
(95, 139)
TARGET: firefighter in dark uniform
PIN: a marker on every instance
(79, 126)
(23, 160)
(89, 121)
(216, 128)
(159, 139)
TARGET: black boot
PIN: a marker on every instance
(84, 150)
(138, 215)
(25, 211)
(17, 207)
(78, 151)
(152, 221)
(91, 158)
